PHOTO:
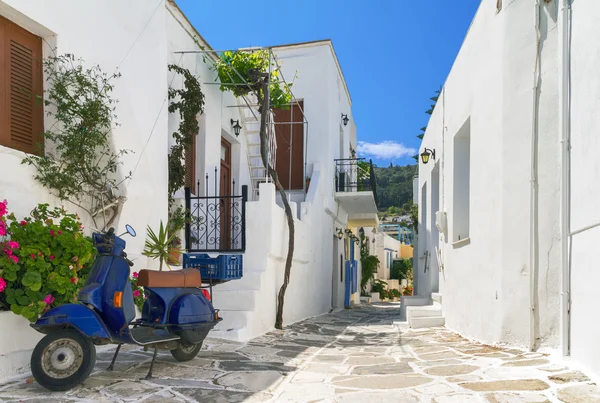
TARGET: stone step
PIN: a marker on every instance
(423, 311)
(234, 326)
(249, 281)
(436, 297)
(430, 321)
(234, 300)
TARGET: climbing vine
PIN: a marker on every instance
(188, 102)
(234, 70)
(81, 165)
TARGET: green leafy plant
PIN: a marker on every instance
(369, 266)
(159, 245)
(408, 290)
(235, 71)
(395, 293)
(83, 168)
(188, 102)
(44, 260)
(378, 285)
(401, 269)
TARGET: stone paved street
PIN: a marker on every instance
(351, 356)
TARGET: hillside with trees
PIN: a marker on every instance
(394, 187)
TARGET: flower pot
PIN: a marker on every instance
(174, 257)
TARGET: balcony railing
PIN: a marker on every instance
(355, 175)
(216, 223)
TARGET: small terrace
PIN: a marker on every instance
(356, 189)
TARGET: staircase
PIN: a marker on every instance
(251, 124)
(420, 313)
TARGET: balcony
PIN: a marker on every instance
(356, 190)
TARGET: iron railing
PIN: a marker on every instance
(355, 175)
(216, 223)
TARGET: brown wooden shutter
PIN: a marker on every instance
(285, 120)
(21, 89)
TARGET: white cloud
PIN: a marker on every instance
(385, 150)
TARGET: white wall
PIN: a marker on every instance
(486, 279)
(585, 192)
(129, 36)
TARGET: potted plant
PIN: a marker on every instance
(160, 245)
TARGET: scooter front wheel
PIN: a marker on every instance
(186, 352)
(63, 359)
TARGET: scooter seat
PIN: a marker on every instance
(186, 278)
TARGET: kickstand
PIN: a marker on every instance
(149, 376)
(112, 364)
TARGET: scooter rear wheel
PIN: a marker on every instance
(63, 359)
(186, 352)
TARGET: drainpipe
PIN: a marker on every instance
(533, 212)
(565, 224)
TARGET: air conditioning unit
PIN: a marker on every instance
(441, 221)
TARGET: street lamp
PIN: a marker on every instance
(236, 127)
(345, 119)
(340, 234)
(425, 155)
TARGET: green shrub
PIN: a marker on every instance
(44, 260)
(401, 269)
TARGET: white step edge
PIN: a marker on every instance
(433, 321)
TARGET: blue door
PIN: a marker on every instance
(351, 285)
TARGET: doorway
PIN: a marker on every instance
(225, 193)
(434, 274)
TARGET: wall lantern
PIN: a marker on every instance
(340, 234)
(236, 127)
(356, 240)
(345, 119)
(425, 155)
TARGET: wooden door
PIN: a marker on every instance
(289, 132)
(225, 192)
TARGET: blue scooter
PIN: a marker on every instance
(177, 315)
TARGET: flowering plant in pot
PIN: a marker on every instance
(159, 245)
(139, 297)
(44, 260)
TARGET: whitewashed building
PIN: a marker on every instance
(508, 203)
(140, 39)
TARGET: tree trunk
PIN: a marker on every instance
(264, 148)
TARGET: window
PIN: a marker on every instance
(21, 110)
(462, 179)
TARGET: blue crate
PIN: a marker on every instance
(220, 269)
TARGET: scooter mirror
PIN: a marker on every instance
(130, 230)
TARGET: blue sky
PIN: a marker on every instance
(394, 53)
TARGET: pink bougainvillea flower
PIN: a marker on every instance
(136, 293)
(14, 258)
(51, 257)
(135, 274)
(51, 232)
(33, 255)
(3, 208)
(23, 223)
(73, 280)
(2, 284)
(59, 232)
(2, 227)
(49, 299)
(13, 244)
